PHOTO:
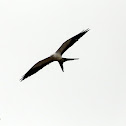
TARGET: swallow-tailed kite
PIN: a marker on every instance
(57, 56)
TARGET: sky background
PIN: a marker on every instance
(91, 91)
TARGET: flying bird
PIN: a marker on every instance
(57, 56)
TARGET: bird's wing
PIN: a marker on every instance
(67, 44)
(39, 65)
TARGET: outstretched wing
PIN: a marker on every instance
(67, 44)
(38, 66)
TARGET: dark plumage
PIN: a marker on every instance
(57, 56)
(67, 44)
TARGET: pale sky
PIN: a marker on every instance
(91, 91)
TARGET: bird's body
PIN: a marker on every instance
(57, 56)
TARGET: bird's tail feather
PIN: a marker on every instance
(64, 60)
(68, 59)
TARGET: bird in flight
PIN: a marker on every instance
(57, 56)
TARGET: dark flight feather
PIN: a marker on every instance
(67, 44)
(39, 65)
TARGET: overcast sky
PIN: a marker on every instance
(91, 91)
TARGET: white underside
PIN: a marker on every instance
(57, 56)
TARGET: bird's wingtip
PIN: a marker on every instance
(22, 78)
(86, 30)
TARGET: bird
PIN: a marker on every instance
(57, 56)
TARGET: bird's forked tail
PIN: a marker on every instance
(64, 60)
